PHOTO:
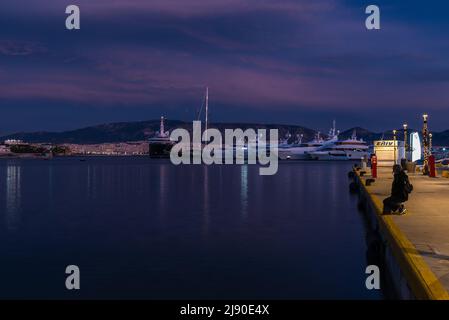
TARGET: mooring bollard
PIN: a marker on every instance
(364, 163)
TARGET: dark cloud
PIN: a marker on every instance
(17, 48)
(263, 59)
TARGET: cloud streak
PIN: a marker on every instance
(278, 55)
(144, 77)
(179, 8)
(20, 48)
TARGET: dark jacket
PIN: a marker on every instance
(399, 190)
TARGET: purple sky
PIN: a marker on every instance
(297, 62)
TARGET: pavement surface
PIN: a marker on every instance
(426, 223)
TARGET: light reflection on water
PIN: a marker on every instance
(244, 190)
(206, 204)
(140, 228)
(13, 194)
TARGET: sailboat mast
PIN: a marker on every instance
(207, 110)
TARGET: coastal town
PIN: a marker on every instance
(19, 148)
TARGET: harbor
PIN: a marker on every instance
(224, 159)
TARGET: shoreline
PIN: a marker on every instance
(44, 157)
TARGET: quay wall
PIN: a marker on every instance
(412, 278)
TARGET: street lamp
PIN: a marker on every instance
(405, 125)
(425, 135)
(394, 145)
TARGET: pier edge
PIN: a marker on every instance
(419, 278)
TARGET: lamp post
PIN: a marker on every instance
(430, 143)
(405, 125)
(425, 135)
(394, 145)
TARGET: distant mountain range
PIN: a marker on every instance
(142, 130)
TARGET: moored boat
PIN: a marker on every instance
(348, 149)
(160, 145)
(300, 151)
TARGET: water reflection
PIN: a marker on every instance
(92, 182)
(333, 192)
(163, 185)
(50, 204)
(172, 223)
(88, 183)
(244, 190)
(13, 195)
(206, 213)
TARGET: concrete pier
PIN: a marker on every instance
(416, 244)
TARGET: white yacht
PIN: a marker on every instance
(349, 149)
(300, 151)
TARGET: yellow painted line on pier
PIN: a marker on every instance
(422, 281)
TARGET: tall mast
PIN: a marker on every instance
(207, 110)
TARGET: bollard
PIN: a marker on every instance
(363, 163)
(374, 166)
(432, 169)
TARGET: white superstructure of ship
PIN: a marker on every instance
(300, 150)
(347, 149)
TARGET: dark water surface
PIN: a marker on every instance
(141, 228)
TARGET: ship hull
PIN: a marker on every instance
(285, 155)
(160, 150)
(338, 156)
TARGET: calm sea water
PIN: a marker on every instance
(141, 228)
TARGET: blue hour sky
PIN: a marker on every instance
(282, 61)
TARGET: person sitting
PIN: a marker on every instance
(400, 190)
